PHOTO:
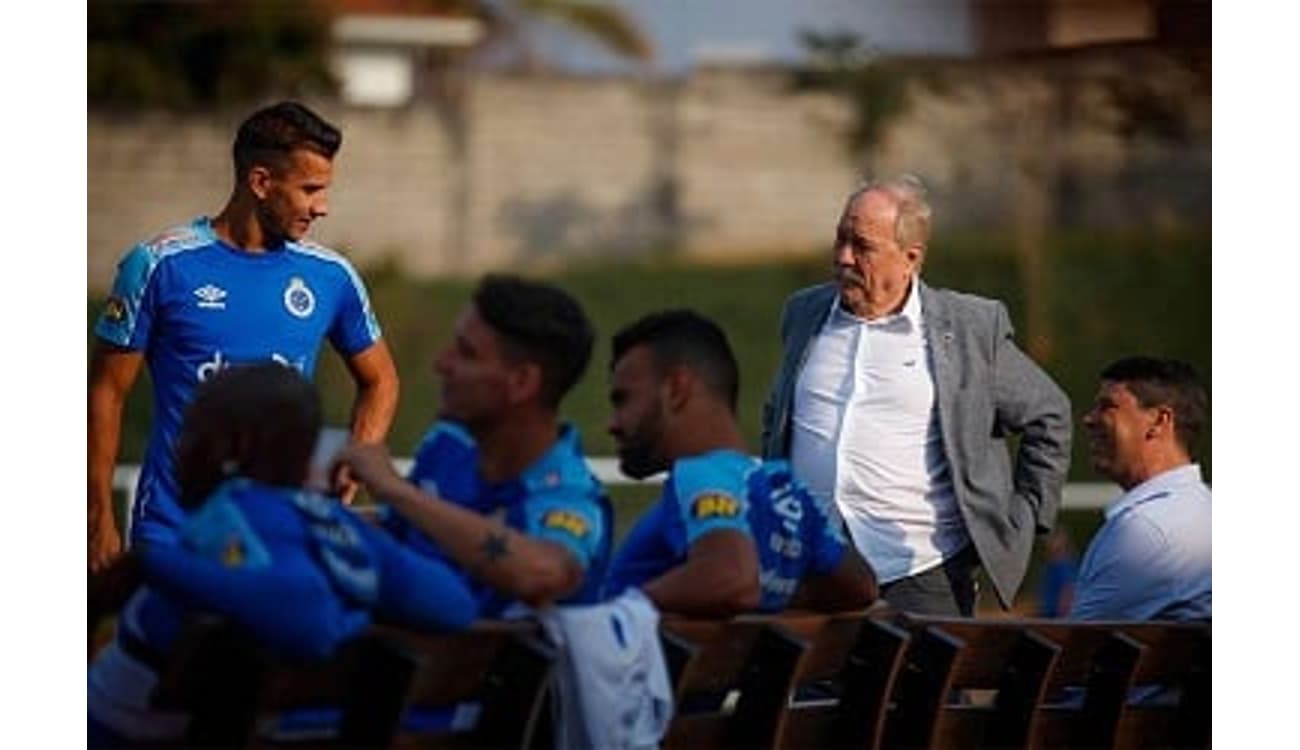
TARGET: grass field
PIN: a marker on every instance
(1105, 296)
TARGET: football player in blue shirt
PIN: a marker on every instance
(298, 572)
(731, 533)
(240, 287)
(499, 484)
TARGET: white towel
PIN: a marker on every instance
(610, 683)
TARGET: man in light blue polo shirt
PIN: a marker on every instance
(1151, 558)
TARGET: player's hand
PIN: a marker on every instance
(368, 464)
(108, 589)
(105, 543)
(344, 487)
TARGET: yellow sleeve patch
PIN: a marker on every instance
(565, 521)
(233, 555)
(714, 505)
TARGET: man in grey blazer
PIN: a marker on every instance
(895, 398)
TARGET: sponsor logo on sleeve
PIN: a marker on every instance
(565, 520)
(714, 505)
(115, 310)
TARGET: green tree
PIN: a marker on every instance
(203, 53)
(603, 23)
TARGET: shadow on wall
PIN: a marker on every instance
(563, 225)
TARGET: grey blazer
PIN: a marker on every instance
(986, 388)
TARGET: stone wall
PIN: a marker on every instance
(725, 164)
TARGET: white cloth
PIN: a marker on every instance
(119, 692)
(610, 683)
(866, 434)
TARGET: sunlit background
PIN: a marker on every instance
(648, 153)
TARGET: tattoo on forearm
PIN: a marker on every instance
(495, 547)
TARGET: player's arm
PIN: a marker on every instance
(113, 370)
(535, 571)
(417, 591)
(375, 376)
(283, 605)
(851, 585)
(718, 579)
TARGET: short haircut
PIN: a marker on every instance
(912, 223)
(540, 323)
(258, 421)
(270, 134)
(1166, 382)
(685, 338)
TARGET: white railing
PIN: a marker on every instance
(1077, 495)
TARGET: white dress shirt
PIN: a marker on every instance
(865, 433)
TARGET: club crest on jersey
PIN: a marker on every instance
(298, 298)
(565, 521)
(115, 310)
(211, 297)
(714, 505)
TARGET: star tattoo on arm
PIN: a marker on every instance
(495, 547)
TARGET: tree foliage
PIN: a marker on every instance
(185, 54)
(605, 24)
(198, 53)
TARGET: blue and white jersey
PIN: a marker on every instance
(298, 572)
(556, 499)
(793, 534)
(193, 305)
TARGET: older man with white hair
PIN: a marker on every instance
(893, 399)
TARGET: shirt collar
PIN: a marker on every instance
(1158, 486)
(549, 471)
(909, 318)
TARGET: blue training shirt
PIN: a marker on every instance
(300, 573)
(556, 499)
(793, 534)
(194, 305)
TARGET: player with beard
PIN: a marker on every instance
(731, 533)
(243, 286)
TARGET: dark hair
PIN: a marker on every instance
(684, 337)
(270, 134)
(258, 421)
(539, 323)
(1165, 382)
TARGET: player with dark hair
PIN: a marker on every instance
(271, 135)
(297, 571)
(731, 533)
(240, 287)
(499, 485)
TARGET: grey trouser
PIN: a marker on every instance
(946, 590)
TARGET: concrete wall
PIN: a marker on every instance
(538, 170)
(725, 164)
